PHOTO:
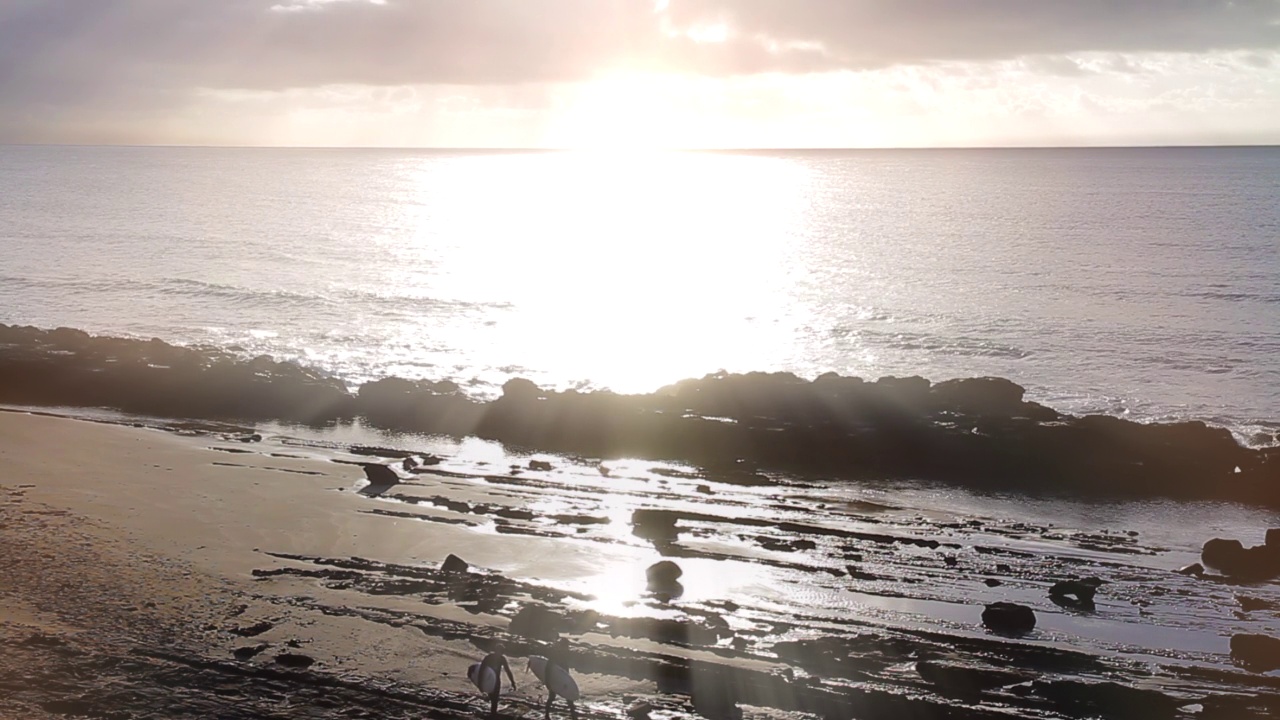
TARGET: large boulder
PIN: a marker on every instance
(662, 573)
(521, 390)
(663, 579)
(656, 525)
(1009, 618)
(455, 564)
(379, 474)
(1231, 558)
(1220, 553)
(981, 396)
(1259, 652)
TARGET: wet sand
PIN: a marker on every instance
(206, 573)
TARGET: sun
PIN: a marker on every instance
(621, 111)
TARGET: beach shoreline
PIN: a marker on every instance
(204, 573)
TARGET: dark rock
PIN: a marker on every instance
(541, 465)
(1251, 604)
(1009, 618)
(454, 564)
(992, 582)
(380, 475)
(245, 652)
(1077, 594)
(1003, 568)
(639, 709)
(1193, 569)
(1107, 699)
(662, 574)
(296, 661)
(538, 622)
(966, 681)
(979, 396)
(255, 437)
(1219, 553)
(656, 525)
(519, 389)
(978, 431)
(1258, 652)
(856, 574)
(704, 489)
(39, 639)
(1231, 558)
(786, 545)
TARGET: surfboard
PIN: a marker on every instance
(486, 682)
(556, 678)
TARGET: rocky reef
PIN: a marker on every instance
(975, 431)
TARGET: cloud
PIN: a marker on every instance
(878, 33)
(274, 44)
(124, 58)
(1058, 65)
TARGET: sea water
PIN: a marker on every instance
(1136, 282)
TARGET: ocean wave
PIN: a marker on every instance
(1235, 296)
(138, 290)
(961, 345)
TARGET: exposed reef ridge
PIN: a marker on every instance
(975, 431)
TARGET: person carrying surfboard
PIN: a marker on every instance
(553, 671)
(495, 662)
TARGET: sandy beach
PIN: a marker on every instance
(202, 572)
(128, 557)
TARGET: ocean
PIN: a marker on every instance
(1136, 282)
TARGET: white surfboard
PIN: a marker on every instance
(486, 681)
(556, 678)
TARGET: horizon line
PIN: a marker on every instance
(624, 150)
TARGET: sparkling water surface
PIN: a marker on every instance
(1143, 282)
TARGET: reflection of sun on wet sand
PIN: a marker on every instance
(197, 575)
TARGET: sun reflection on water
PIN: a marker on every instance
(628, 270)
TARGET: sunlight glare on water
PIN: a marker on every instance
(597, 258)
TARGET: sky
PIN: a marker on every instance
(628, 74)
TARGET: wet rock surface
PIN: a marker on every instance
(1261, 652)
(887, 626)
(1259, 562)
(980, 432)
(1009, 618)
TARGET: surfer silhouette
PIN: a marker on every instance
(488, 676)
(555, 675)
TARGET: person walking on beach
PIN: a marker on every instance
(559, 656)
(497, 662)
